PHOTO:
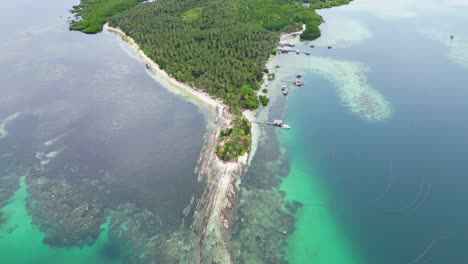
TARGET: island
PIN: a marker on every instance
(217, 51)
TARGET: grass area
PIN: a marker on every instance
(192, 14)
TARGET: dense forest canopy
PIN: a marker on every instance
(218, 46)
(210, 44)
(91, 15)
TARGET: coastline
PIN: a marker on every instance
(263, 112)
(205, 98)
(220, 110)
(216, 208)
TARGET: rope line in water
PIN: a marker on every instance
(431, 245)
(421, 202)
(418, 201)
(418, 195)
(388, 185)
(421, 256)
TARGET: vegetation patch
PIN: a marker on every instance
(234, 141)
(192, 14)
(264, 100)
(91, 15)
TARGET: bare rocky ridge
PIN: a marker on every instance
(217, 206)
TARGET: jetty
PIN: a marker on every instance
(287, 44)
(285, 50)
(276, 122)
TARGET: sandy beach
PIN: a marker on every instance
(201, 96)
(193, 93)
(216, 208)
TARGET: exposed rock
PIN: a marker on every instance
(217, 206)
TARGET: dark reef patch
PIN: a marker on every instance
(112, 250)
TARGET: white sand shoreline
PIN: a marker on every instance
(193, 93)
(214, 212)
(201, 96)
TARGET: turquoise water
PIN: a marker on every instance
(21, 241)
(81, 116)
(381, 179)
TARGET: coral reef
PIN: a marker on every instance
(261, 227)
(67, 217)
(264, 218)
(142, 233)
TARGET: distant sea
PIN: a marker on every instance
(379, 141)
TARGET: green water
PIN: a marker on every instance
(316, 238)
(20, 241)
(379, 141)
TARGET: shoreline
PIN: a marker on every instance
(293, 34)
(251, 115)
(220, 110)
(203, 97)
(215, 210)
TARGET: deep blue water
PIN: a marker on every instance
(395, 187)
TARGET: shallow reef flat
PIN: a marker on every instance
(19, 235)
(351, 82)
(356, 94)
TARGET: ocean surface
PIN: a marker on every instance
(86, 131)
(379, 147)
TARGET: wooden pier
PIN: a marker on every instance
(284, 50)
(276, 123)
